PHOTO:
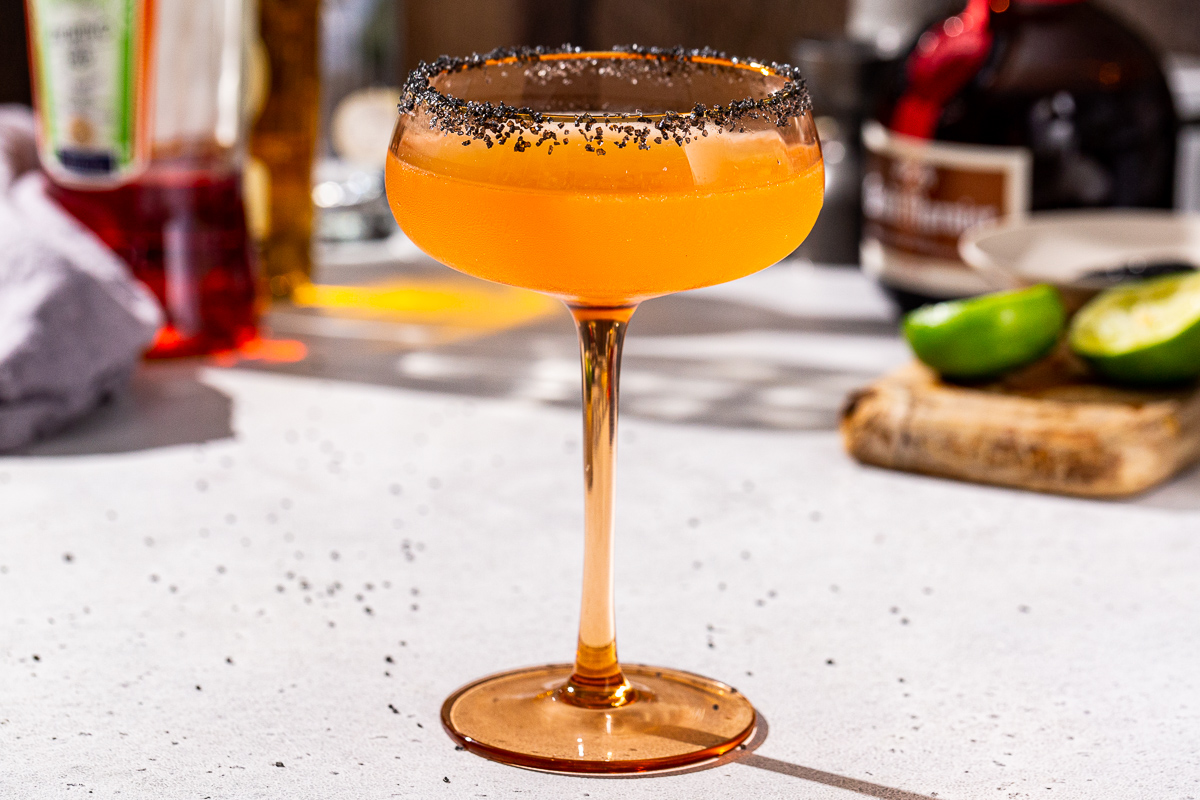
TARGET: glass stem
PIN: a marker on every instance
(598, 681)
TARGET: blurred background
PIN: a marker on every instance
(320, 78)
(260, 224)
(404, 32)
(367, 43)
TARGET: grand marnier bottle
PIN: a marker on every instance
(1008, 107)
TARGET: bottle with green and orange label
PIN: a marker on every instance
(91, 80)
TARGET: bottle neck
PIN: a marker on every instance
(946, 57)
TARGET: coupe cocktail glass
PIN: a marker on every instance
(603, 179)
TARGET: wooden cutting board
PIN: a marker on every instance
(1048, 428)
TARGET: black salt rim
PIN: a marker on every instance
(497, 123)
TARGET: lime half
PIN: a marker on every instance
(1143, 332)
(985, 336)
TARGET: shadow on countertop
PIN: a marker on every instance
(688, 359)
(746, 756)
(166, 404)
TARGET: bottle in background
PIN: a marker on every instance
(360, 88)
(283, 142)
(1008, 107)
(180, 224)
(90, 70)
(183, 233)
(840, 74)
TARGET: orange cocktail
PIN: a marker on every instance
(603, 179)
(612, 228)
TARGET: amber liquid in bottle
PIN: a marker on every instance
(283, 141)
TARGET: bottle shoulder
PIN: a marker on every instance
(1086, 68)
(1076, 47)
(1033, 53)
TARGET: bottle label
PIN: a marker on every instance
(87, 62)
(919, 196)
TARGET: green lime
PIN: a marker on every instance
(985, 336)
(1143, 332)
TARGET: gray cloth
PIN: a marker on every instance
(73, 321)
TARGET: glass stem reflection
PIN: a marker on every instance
(597, 681)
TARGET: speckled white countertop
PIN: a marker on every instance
(241, 583)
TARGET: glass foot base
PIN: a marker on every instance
(675, 719)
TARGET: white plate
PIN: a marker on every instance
(1061, 247)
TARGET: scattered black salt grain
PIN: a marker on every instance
(279, 763)
(459, 747)
(393, 709)
(446, 780)
(68, 557)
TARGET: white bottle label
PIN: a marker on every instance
(88, 81)
(919, 196)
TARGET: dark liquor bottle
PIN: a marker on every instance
(1008, 107)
